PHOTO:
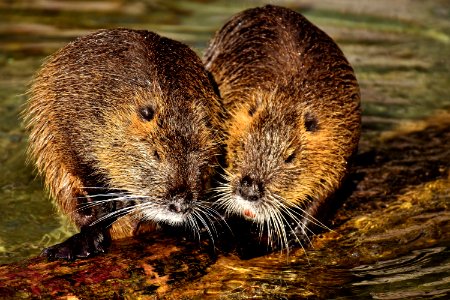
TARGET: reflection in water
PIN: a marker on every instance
(401, 60)
(423, 273)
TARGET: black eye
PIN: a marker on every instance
(290, 158)
(311, 123)
(147, 113)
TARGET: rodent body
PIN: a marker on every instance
(293, 122)
(124, 123)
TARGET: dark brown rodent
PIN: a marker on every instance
(294, 118)
(123, 123)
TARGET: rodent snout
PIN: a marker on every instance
(180, 199)
(250, 189)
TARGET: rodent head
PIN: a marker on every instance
(283, 155)
(158, 150)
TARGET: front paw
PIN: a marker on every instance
(85, 244)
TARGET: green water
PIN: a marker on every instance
(400, 55)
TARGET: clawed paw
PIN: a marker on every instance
(81, 245)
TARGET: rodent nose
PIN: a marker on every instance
(177, 207)
(180, 200)
(250, 189)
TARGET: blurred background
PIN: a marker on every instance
(399, 48)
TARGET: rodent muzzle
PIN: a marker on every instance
(180, 200)
(250, 189)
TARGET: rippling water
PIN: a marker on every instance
(423, 273)
(400, 51)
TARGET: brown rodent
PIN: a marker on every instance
(293, 124)
(123, 123)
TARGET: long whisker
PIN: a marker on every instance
(284, 209)
(208, 218)
(305, 215)
(282, 237)
(119, 212)
(300, 223)
(217, 216)
(122, 198)
(194, 226)
(293, 215)
(205, 224)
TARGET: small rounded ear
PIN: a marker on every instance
(311, 123)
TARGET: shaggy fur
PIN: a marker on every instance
(293, 122)
(125, 116)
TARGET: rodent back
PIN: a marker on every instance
(263, 48)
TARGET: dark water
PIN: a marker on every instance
(400, 52)
(419, 274)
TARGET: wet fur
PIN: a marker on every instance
(99, 157)
(293, 119)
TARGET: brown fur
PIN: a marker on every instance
(294, 116)
(86, 130)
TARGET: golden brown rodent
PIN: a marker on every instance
(294, 119)
(123, 123)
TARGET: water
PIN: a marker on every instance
(400, 52)
(422, 273)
